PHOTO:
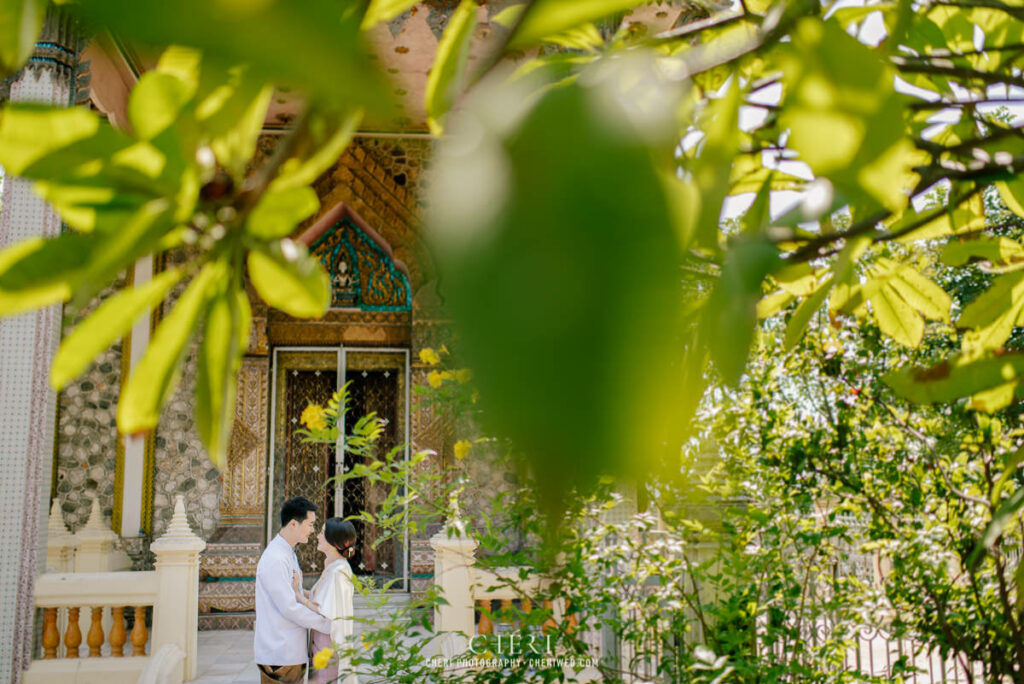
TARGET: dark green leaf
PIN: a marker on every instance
(153, 380)
(279, 211)
(731, 312)
(38, 272)
(578, 365)
(287, 278)
(319, 50)
(155, 103)
(227, 325)
(802, 316)
(20, 22)
(108, 322)
(545, 18)
(956, 378)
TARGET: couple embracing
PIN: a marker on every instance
(284, 611)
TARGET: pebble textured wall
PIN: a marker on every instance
(87, 430)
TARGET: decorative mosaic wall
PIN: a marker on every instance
(87, 430)
(27, 404)
(404, 160)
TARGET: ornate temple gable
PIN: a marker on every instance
(364, 273)
(381, 197)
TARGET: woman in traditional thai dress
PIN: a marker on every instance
(332, 596)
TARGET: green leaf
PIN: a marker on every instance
(921, 293)
(87, 209)
(545, 18)
(1001, 519)
(38, 272)
(844, 117)
(289, 279)
(234, 113)
(998, 250)
(993, 314)
(20, 23)
(41, 142)
(156, 102)
(895, 317)
(449, 64)
(773, 303)
(956, 378)
(117, 250)
(224, 337)
(1005, 291)
(279, 211)
(1010, 465)
(562, 194)
(758, 216)
(731, 312)
(799, 280)
(1012, 192)
(153, 380)
(968, 217)
(319, 50)
(108, 322)
(384, 10)
(329, 135)
(802, 316)
(509, 16)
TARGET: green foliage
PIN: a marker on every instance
(177, 182)
(567, 196)
(20, 21)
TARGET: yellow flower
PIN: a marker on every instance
(462, 448)
(323, 657)
(434, 379)
(463, 375)
(313, 417)
(429, 356)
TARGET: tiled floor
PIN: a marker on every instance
(225, 657)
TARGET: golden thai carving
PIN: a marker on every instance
(242, 500)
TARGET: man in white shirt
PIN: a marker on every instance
(279, 644)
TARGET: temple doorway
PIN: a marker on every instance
(379, 382)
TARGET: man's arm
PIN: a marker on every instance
(279, 589)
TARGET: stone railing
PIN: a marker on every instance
(118, 606)
(471, 594)
(91, 549)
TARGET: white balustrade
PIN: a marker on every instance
(97, 603)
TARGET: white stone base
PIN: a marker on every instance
(86, 670)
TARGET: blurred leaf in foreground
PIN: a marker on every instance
(560, 257)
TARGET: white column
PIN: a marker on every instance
(135, 447)
(95, 545)
(27, 345)
(60, 544)
(176, 612)
(454, 557)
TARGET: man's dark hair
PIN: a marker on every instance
(296, 509)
